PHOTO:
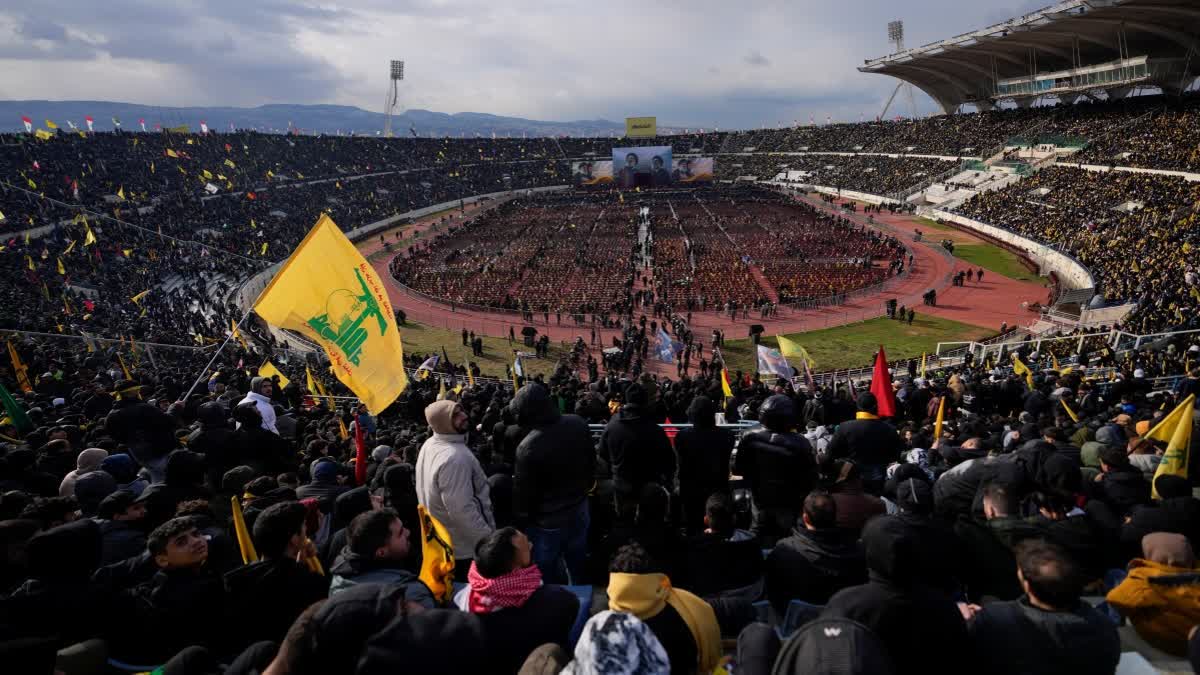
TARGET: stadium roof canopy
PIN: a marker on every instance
(1075, 48)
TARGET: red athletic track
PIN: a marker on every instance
(996, 300)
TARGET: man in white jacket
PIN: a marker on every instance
(451, 483)
(261, 389)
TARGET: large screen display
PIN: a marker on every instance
(693, 170)
(648, 166)
(591, 173)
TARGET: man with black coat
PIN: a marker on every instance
(215, 440)
(267, 596)
(555, 465)
(637, 450)
(779, 467)
(704, 452)
(898, 608)
(818, 560)
(1048, 630)
(868, 441)
(990, 568)
(1177, 511)
(148, 432)
(1120, 485)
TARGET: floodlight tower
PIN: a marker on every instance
(895, 32)
(393, 95)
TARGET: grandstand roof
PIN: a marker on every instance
(968, 68)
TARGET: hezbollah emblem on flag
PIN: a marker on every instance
(345, 313)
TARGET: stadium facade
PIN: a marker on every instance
(1078, 48)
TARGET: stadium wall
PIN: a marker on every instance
(1071, 274)
(1190, 177)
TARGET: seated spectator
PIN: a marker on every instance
(684, 624)
(1119, 484)
(376, 552)
(266, 596)
(517, 610)
(818, 560)
(1048, 630)
(898, 608)
(614, 642)
(854, 506)
(123, 469)
(89, 460)
(120, 527)
(324, 485)
(1161, 594)
(723, 560)
(1177, 511)
(988, 544)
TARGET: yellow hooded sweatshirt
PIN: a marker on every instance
(645, 595)
(1161, 601)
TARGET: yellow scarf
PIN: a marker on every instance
(863, 415)
(645, 595)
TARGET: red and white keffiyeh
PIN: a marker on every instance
(511, 590)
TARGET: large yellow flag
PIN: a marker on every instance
(328, 292)
(19, 369)
(315, 387)
(1071, 413)
(941, 418)
(268, 370)
(245, 543)
(791, 349)
(238, 334)
(1176, 430)
(1020, 368)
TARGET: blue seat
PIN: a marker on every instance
(130, 668)
(798, 614)
(584, 593)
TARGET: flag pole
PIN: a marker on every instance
(220, 349)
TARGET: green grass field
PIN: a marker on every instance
(934, 225)
(995, 259)
(853, 346)
(497, 353)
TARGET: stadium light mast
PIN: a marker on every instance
(396, 75)
(895, 33)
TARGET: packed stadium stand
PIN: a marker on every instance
(167, 504)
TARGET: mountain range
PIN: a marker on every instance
(329, 119)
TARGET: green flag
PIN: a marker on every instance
(19, 419)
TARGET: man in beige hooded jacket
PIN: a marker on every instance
(451, 483)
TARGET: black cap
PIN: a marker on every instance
(115, 503)
(867, 402)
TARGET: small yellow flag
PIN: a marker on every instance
(121, 193)
(51, 125)
(790, 349)
(70, 247)
(330, 293)
(268, 369)
(61, 270)
(19, 369)
(42, 134)
(245, 543)
(342, 431)
(207, 174)
(941, 417)
(137, 299)
(1070, 413)
(1020, 368)
(90, 238)
(263, 251)
(229, 163)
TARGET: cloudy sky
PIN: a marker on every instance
(698, 63)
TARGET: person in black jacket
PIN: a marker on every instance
(268, 453)
(779, 466)
(267, 596)
(818, 560)
(990, 567)
(148, 432)
(903, 612)
(184, 480)
(1048, 630)
(214, 440)
(1177, 511)
(868, 441)
(1120, 485)
(637, 450)
(704, 452)
(120, 527)
(555, 464)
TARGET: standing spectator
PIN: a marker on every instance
(148, 432)
(260, 392)
(637, 449)
(451, 483)
(704, 452)
(555, 467)
(779, 466)
(869, 441)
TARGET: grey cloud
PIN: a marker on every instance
(755, 58)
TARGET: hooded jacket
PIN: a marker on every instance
(263, 403)
(1016, 637)
(779, 465)
(869, 442)
(898, 608)
(812, 565)
(351, 569)
(635, 446)
(148, 432)
(704, 452)
(215, 440)
(1161, 597)
(555, 462)
(451, 483)
(647, 596)
(266, 597)
(89, 460)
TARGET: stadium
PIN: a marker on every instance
(746, 400)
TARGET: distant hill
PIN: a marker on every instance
(277, 117)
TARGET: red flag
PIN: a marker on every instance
(881, 386)
(671, 432)
(360, 457)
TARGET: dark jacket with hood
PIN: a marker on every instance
(704, 452)
(147, 431)
(1016, 637)
(899, 609)
(215, 440)
(812, 565)
(58, 599)
(122, 540)
(778, 465)
(555, 461)
(869, 442)
(266, 597)
(351, 569)
(991, 568)
(184, 481)
(635, 446)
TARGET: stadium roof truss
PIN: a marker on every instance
(1075, 48)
